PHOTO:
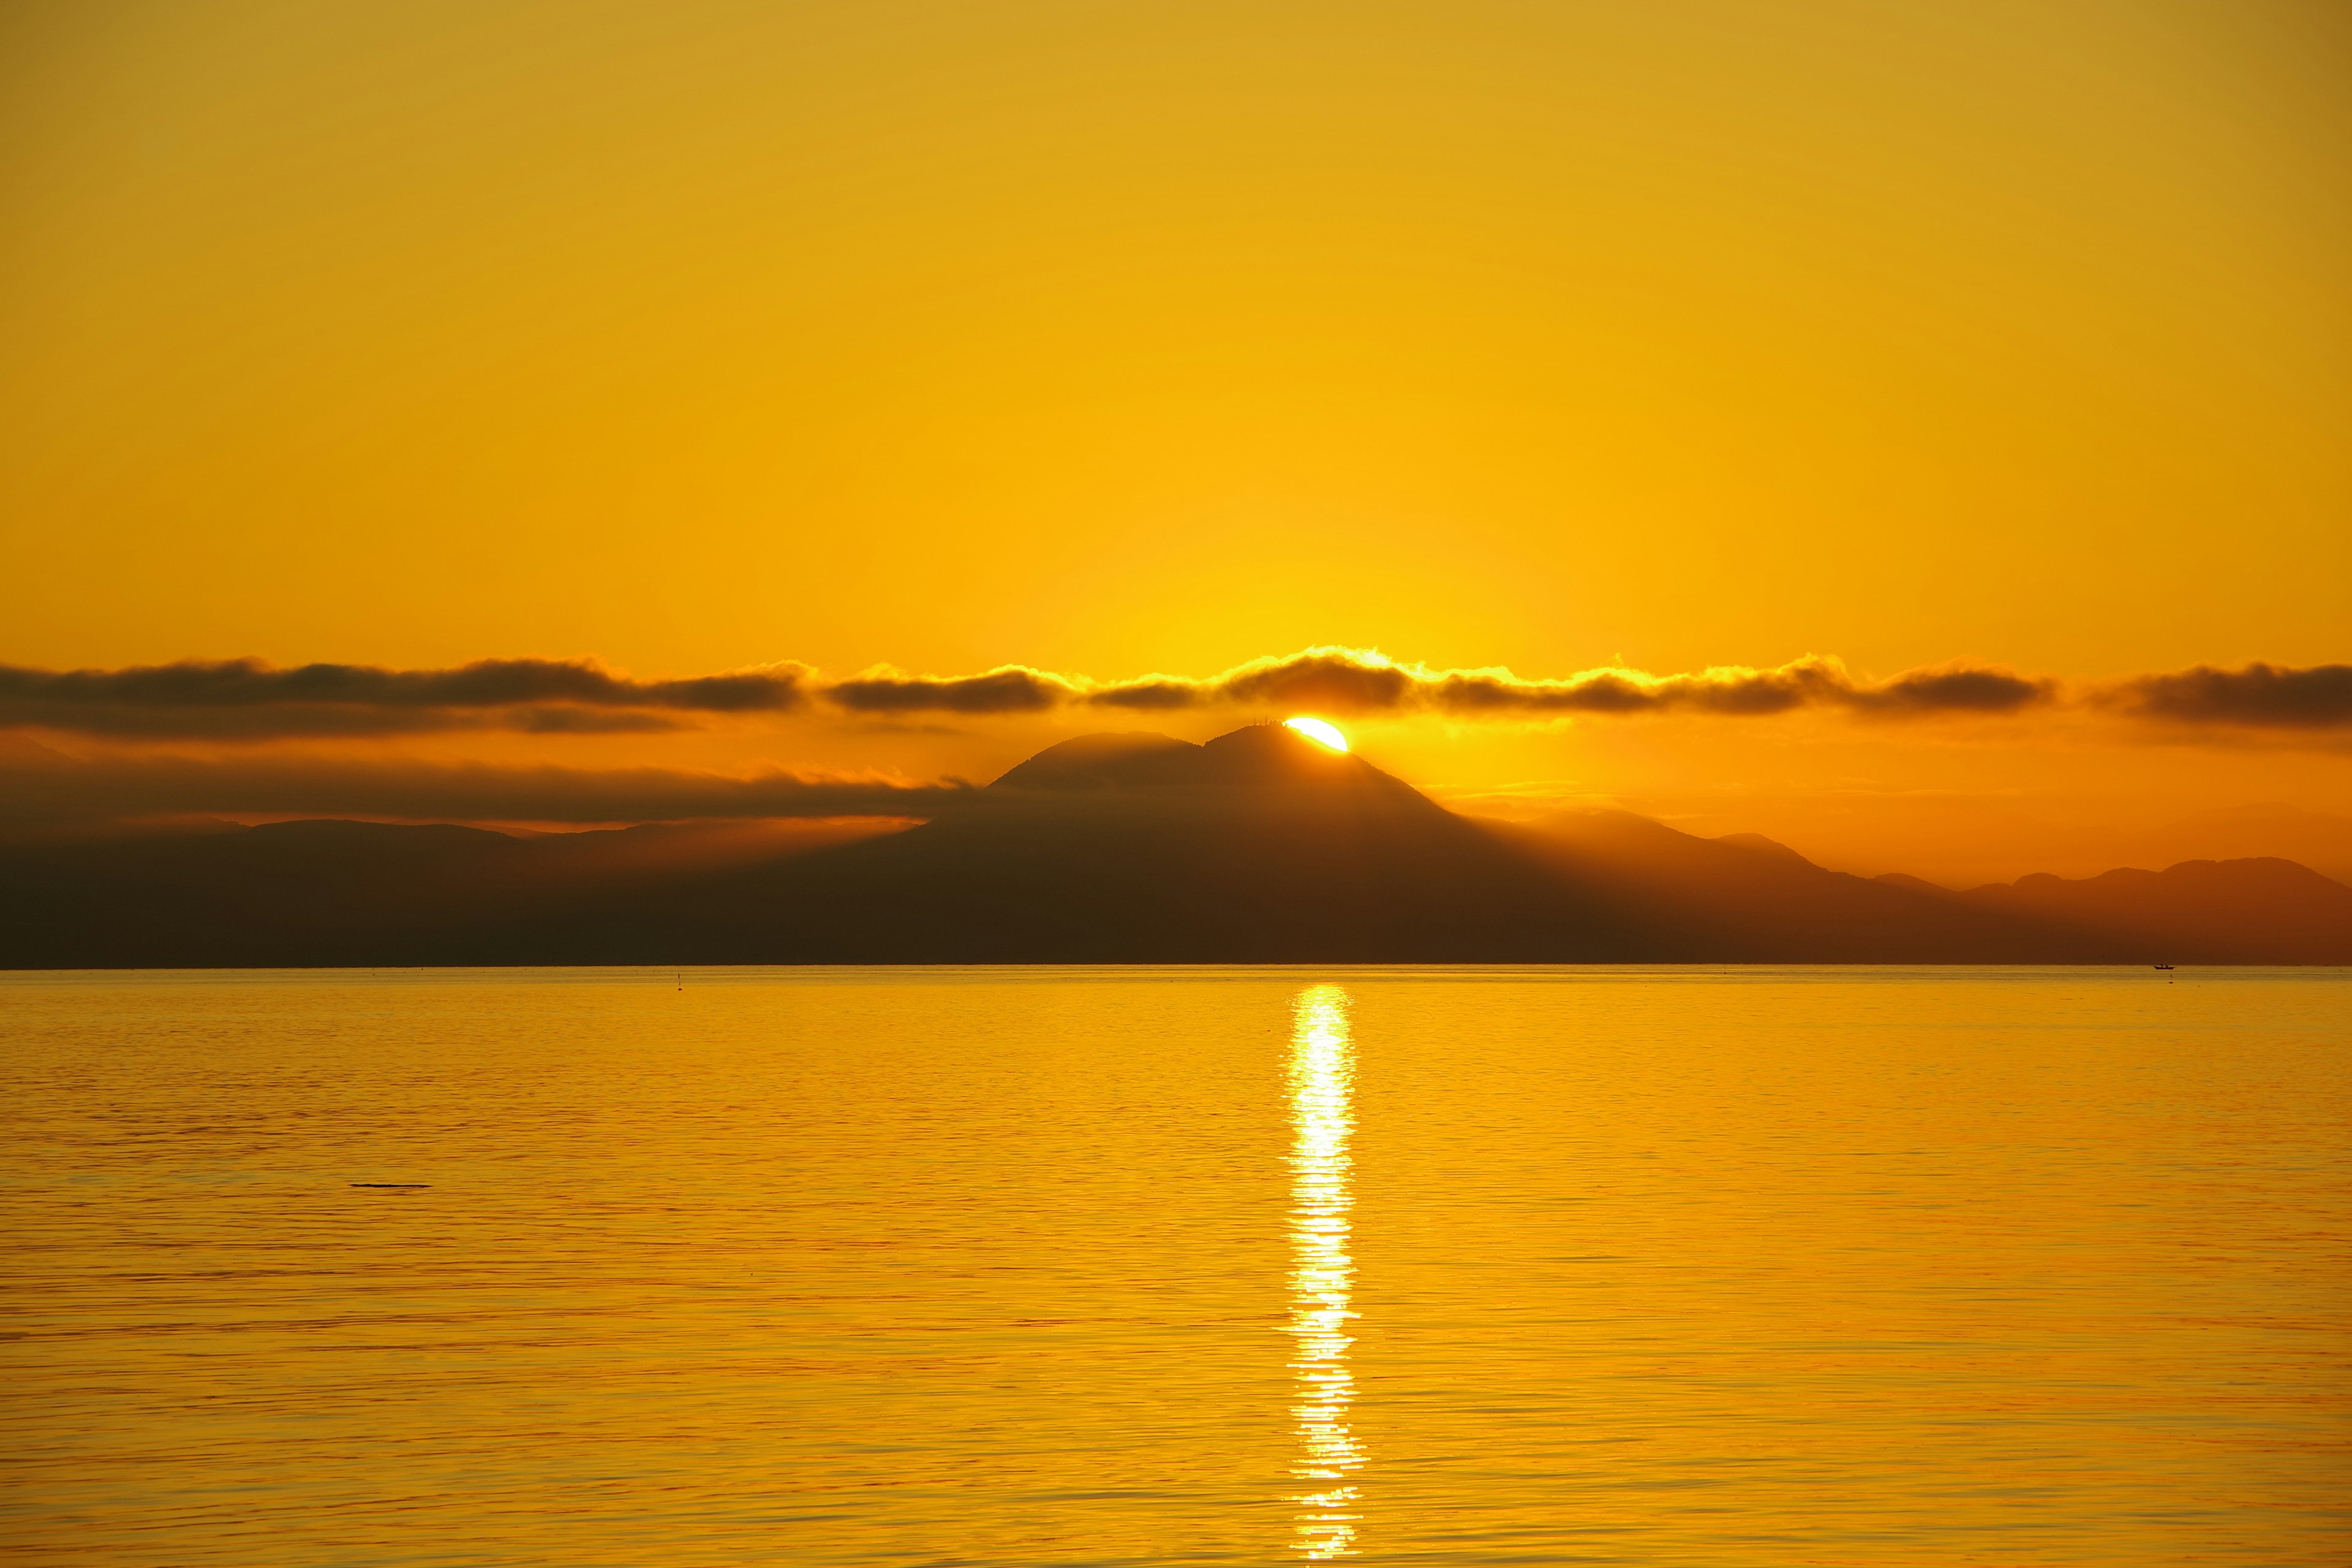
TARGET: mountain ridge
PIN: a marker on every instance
(1257, 847)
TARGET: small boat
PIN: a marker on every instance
(2164, 967)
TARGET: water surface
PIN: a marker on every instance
(1028, 1266)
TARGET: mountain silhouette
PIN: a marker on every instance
(1258, 847)
(2255, 911)
(1746, 899)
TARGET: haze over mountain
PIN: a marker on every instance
(1258, 847)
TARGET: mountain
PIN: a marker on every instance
(1258, 847)
(2273, 831)
(1746, 899)
(2256, 910)
(328, 892)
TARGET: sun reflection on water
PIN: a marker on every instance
(1322, 1274)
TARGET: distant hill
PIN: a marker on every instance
(2261, 911)
(1746, 899)
(2314, 839)
(1259, 847)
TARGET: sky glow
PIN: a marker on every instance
(1719, 422)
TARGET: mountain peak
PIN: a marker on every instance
(1276, 755)
(1108, 761)
(1261, 755)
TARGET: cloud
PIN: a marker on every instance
(1008, 689)
(46, 787)
(1955, 688)
(1342, 680)
(1353, 681)
(247, 699)
(1739, 691)
(2260, 696)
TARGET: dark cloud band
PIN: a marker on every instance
(1350, 682)
(245, 699)
(2262, 696)
(1013, 689)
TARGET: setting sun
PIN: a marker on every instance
(1317, 729)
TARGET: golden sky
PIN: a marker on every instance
(1121, 339)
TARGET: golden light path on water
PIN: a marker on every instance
(1322, 1275)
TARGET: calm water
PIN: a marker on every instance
(1127, 1267)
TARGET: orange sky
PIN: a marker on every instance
(1151, 337)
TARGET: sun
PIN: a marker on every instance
(1317, 730)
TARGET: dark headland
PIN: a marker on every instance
(1259, 847)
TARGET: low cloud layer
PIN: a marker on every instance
(248, 700)
(2260, 696)
(1012, 690)
(1345, 682)
(1350, 682)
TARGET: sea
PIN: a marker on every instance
(1100, 1266)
